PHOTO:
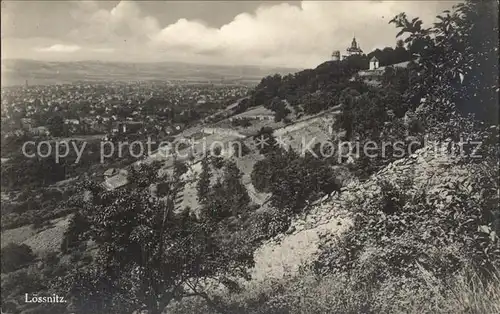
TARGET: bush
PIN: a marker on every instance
(340, 294)
(245, 123)
(228, 197)
(267, 224)
(444, 227)
(217, 161)
(15, 256)
(179, 168)
(39, 222)
(293, 180)
(240, 149)
(76, 232)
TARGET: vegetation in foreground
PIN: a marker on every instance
(416, 246)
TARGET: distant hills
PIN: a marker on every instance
(16, 72)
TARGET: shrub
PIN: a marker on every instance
(245, 123)
(265, 140)
(76, 232)
(39, 222)
(203, 184)
(261, 178)
(444, 227)
(228, 197)
(179, 168)
(293, 180)
(240, 149)
(340, 293)
(15, 256)
(217, 161)
(267, 224)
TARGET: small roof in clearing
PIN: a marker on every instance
(116, 181)
(373, 59)
(110, 172)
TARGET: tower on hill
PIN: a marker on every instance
(354, 49)
(336, 55)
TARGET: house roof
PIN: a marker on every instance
(115, 182)
(373, 59)
(110, 172)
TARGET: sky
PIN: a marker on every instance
(267, 33)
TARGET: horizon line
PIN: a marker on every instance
(153, 62)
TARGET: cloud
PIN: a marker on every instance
(103, 50)
(278, 34)
(124, 22)
(293, 35)
(59, 48)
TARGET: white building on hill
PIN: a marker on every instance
(374, 74)
(374, 63)
(336, 55)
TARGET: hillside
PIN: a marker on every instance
(318, 238)
(343, 197)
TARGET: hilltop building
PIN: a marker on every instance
(374, 75)
(352, 50)
(336, 55)
(374, 63)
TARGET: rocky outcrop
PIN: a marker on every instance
(429, 169)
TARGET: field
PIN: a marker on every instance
(47, 239)
(16, 72)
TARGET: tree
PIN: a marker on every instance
(396, 78)
(228, 197)
(143, 175)
(23, 172)
(56, 127)
(15, 256)
(203, 184)
(240, 149)
(77, 228)
(179, 168)
(245, 122)
(293, 180)
(357, 62)
(387, 56)
(265, 140)
(316, 102)
(300, 180)
(363, 115)
(148, 255)
(236, 191)
(279, 108)
(261, 178)
(267, 89)
(400, 53)
(457, 66)
(16, 284)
